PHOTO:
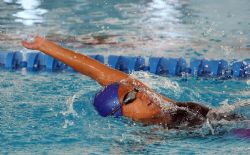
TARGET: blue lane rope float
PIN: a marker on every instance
(37, 61)
(126, 64)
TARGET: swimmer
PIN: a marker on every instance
(126, 96)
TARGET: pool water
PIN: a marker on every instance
(172, 28)
(52, 113)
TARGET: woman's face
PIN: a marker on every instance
(142, 107)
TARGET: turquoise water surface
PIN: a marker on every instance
(37, 116)
(52, 113)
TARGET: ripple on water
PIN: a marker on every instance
(38, 114)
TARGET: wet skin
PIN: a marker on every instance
(145, 108)
(148, 111)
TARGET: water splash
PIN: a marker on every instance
(154, 81)
(226, 110)
(248, 82)
(208, 124)
(225, 118)
(70, 109)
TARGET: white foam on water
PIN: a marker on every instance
(226, 108)
(226, 117)
(70, 103)
(248, 82)
(70, 108)
(67, 123)
(154, 81)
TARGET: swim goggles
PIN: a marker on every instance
(128, 98)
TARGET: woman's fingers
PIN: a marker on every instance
(27, 45)
(34, 44)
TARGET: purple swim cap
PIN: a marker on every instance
(107, 100)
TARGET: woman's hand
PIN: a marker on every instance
(34, 45)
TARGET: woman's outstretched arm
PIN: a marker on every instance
(103, 74)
